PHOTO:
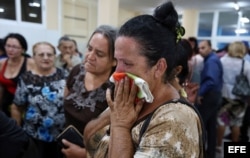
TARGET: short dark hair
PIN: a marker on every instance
(195, 41)
(63, 38)
(209, 43)
(20, 39)
(2, 46)
(157, 35)
(184, 54)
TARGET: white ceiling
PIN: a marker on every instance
(147, 6)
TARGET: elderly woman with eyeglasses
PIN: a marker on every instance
(40, 95)
(11, 68)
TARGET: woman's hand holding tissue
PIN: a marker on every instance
(124, 111)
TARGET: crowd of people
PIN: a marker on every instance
(191, 84)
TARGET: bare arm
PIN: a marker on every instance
(16, 113)
(123, 115)
(66, 91)
(95, 125)
(30, 64)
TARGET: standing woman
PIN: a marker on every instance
(233, 107)
(12, 67)
(87, 84)
(146, 46)
(40, 94)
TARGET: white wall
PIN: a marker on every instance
(53, 27)
(31, 34)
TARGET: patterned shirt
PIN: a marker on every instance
(42, 97)
(174, 131)
(82, 105)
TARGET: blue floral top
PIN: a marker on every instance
(42, 97)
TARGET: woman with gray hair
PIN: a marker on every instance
(87, 83)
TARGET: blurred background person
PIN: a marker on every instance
(77, 52)
(39, 97)
(2, 49)
(67, 58)
(209, 94)
(196, 61)
(12, 67)
(180, 75)
(85, 92)
(221, 52)
(244, 137)
(233, 107)
(13, 139)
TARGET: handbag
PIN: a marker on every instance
(71, 134)
(241, 86)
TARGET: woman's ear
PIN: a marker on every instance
(160, 68)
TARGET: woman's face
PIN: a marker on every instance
(97, 57)
(44, 57)
(129, 60)
(13, 48)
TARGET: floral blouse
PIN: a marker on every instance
(81, 105)
(42, 98)
(174, 131)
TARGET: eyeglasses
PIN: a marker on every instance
(13, 47)
(42, 55)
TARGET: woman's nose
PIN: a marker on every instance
(119, 67)
(91, 55)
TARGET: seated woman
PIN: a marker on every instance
(40, 95)
(87, 83)
(167, 127)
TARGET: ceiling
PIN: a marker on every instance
(147, 6)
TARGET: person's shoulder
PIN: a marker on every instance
(76, 70)
(2, 61)
(176, 108)
(78, 67)
(247, 64)
(30, 64)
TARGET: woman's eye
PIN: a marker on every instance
(127, 64)
(89, 49)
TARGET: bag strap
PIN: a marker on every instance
(242, 66)
(203, 136)
(148, 119)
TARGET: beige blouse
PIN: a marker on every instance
(174, 131)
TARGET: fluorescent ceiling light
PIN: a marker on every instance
(244, 20)
(241, 31)
(34, 4)
(33, 15)
(1, 10)
(236, 6)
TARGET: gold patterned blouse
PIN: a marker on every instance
(173, 132)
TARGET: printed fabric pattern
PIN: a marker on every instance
(173, 131)
(42, 96)
(88, 99)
